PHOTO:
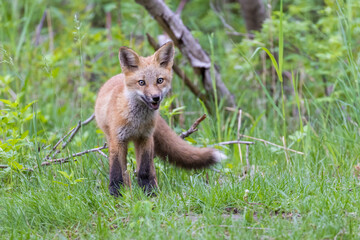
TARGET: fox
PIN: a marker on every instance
(127, 110)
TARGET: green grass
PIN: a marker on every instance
(310, 196)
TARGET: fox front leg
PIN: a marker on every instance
(145, 167)
(118, 174)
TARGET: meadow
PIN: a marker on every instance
(296, 83)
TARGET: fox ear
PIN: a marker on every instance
(165, 55)
(129, 60)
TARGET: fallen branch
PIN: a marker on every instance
(193, 127)
(234, 142)
(238, 142)
(72, 132)
(183, 135)
(66, 159)
(273, 144)
(26, 169)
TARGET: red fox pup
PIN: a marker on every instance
(126, 110)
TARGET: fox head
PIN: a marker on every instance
(148, 79)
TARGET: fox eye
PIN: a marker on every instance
(141, 82)
(160, 80)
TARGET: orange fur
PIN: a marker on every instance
(126, 110)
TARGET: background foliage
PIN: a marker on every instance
(49, 78)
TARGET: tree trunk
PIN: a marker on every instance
(254, 14)
(189, 47)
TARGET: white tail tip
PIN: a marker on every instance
(219, 156)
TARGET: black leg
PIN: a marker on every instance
(146, 175)
(116, 179)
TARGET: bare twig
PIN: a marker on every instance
(38, 29)
(193, 128)
(234, 142)
(181, 6)
(286, 153)
(66, 159)
(247, 157)
(72, 132)
(27, 169)
(273, 144)
(101, 153)
(230, 226)
(50, 30)
(57, 144)
(238, 136)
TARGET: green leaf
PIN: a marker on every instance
(31, 116)
(80, 180)
(27, 106)
(190, 139)
(15, 165)
(61, 183)
(7, 102)
(65, 174)
(24, 135)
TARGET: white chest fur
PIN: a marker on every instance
(141, 122)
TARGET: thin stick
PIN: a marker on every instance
(234, 142)
(50, 30)
(181, 7)
(247, 157)
(72, 132)
(57, 144)
(230, 226)
(273, 144)
(101, 153)
(27, 169)
(193, 128)
(38, 29)
(238, 135)
(286, 153)
(66, 159)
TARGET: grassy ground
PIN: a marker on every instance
(284, 195)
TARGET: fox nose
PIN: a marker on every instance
(156, 98)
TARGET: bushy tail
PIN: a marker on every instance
(168, 145)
